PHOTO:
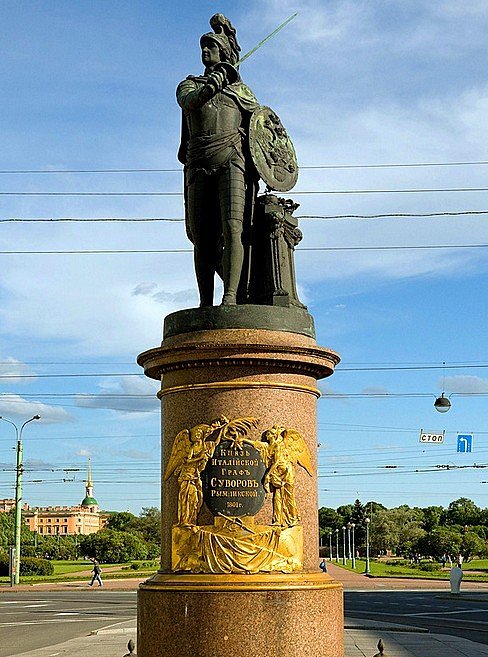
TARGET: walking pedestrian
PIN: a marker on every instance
(97, 572)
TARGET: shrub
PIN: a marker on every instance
(135, 566)
(34, 566)
(429, 567)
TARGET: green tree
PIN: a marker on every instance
(7, 530)
(358, 516)
(329, 519)
(432, 517)
(395, 529)
(483, 519)
(110, 546)
(119, 520)
(440, 541)
(473, 546)
(463, 511)
(345, 512)
(148, 524)
(54, 547)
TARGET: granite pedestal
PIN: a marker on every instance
(215, 362)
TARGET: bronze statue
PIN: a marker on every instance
(221, 182)
(229, 142)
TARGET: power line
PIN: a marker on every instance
(339, 369)
(408, 368)
(181, 219)
(295, 193)
(394, 395)
(304, 248)
(391, 165)
(92, 220)
(392, 214)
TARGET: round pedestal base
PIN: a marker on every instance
(188, 616)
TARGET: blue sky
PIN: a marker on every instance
(90, 85)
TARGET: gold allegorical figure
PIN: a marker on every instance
(191, 452)
(281, 449)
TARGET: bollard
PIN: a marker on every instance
(131, 645)
(381, 648)
(455, 577)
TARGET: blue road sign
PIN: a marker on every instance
(465, 442)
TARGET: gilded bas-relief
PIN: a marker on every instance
(222, 465)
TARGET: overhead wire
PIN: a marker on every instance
(181, 219)
(389, 165)
(295, 193)
(310, 249)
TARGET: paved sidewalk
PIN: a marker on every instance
(358, 582)
(360, 641)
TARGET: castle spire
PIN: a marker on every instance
(89, 499)
(89, 483)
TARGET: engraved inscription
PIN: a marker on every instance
(233, 480)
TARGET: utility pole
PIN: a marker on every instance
(18, 493)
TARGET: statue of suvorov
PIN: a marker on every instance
(221, 182)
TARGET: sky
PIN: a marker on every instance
(91, 86)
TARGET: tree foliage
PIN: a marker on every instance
(111, 546)
(432, 531)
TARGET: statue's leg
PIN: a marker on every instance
(232, 196)
(203, 227)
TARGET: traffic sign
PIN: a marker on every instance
(437, 438)
(465, 442)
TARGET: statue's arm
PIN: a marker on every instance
(191, 95)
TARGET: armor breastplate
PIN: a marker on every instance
(220, 114)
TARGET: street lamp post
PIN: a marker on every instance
(18, 492)
(344, 546)
(367, 521)
(330, 546)
(349, 540)
(337, 544)
(353, 548)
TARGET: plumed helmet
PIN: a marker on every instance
(224, 35)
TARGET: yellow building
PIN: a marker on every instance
(84, 518)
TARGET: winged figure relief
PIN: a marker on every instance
(284, 449)
(190, 453)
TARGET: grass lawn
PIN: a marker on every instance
(384, 569)
(78, 571)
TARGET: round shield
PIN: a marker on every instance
(272, 151)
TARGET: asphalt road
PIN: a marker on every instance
(432, 610)
(38, 619)
(30, 620)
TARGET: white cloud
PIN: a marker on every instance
(15, 370)
(15, 406)
(128, 395)
(375, 390)
(329, 393)
(464, 384)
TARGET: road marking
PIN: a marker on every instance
(17, 602)
(56, 620)
(444, 613)
(42, 604)
(67, 613)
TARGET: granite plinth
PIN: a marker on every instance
(240, 371)
(270, 375)
(251, 615)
